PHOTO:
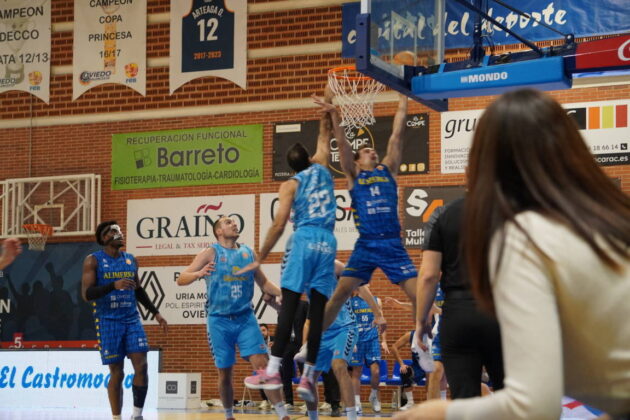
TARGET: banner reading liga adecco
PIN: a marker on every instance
(196, 156)
(25, 47)
(110, 38)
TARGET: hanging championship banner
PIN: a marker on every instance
(204, 36)
(25, 47)
(110, 39)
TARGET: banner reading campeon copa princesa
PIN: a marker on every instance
(208, 38)
(196, 156)
(25, 47)
(110, 39)
(183, 225)
(345, 230)
(187, 304)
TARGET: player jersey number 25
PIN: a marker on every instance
(317, 203)
(207, 37)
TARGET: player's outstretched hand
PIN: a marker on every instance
(11, 248)
(125, 284)
(249, 267)
(421, 331)
(162, 323)
(323, 104)
(385, 347)
(206, 270)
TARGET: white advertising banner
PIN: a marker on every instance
(208, 38)
(603, 125)
(187, 304)
(183, 225)
(66, 379)
(25, 47)
(110, 39)
(345, 230)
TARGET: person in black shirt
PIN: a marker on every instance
(470, 339)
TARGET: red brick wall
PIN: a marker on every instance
(86, 148)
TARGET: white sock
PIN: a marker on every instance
(280, 410)
(443, 394)
(374, 393)
(137, 411)
(409, 396)
(273, 366)
(351, 413)
(309, 372)
(357, 400)
(229, 413)
(312, 415)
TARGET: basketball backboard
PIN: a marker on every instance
(401, 44)
(397, 39)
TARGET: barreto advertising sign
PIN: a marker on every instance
(195, 156)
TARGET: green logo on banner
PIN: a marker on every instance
(196, 156)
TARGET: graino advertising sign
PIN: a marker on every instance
(183, 225)
(196, 156)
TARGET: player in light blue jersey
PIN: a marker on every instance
(231, 319)
(110, 281)
(308, 264)
(374, 195)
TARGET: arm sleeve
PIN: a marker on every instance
(95, 292)
(429, 227)
(143, 298)
(434, 233)
(531, 337)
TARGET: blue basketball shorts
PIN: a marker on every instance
(367, 352)
(387, 254)
(436, 348)
(309, 261)
(337, 343)
(117, 338)
(226, 332)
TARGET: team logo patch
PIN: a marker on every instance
(223, 259)
(128, 261)
(379, 167)
(245, 255)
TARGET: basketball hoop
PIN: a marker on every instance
(355, 94)
(37, 234)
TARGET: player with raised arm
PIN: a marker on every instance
(374, 193)
(308, 263)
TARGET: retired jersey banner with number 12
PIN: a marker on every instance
(110, 39)
(204, 39)
(25, 47)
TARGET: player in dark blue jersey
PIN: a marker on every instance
(374, 193)
(110, 281)
(231, 320)
(308, 263)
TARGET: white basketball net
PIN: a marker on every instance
(37, 236)
(355, 95)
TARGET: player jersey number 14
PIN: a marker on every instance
(207, 37)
